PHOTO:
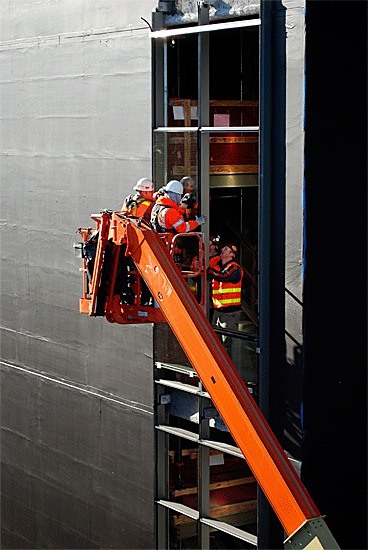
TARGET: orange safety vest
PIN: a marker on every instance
(226, 294)
(168, 217)
(136, 205)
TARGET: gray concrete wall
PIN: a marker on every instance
(77, 437)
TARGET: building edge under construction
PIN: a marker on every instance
(266, 110)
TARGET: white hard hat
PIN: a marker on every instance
(144, 184)
(174, 186)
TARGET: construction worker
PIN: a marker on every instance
(189, 199)
(188, 185)
(226, 276)
(140, 203)
(168, 215)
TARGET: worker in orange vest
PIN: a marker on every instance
(168, 215)
(140, 203)
(226, 276)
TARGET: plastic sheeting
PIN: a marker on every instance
(77, 423)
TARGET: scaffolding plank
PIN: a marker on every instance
(185, 434)
(230, 530)
(180, 508)
(223, 447)
(179, 386)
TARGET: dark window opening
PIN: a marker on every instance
(233, 65)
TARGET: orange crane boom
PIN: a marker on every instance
(276, 476)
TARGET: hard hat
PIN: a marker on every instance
(174, 186)
(144, 184)
(233, 248)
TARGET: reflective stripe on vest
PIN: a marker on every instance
(225, 294)
(223, 297)
(161, 220)
(156, 211)
(193, 285)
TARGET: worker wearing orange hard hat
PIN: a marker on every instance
(226, 277)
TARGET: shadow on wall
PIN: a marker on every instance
(293, 403)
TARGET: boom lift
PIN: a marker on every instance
(128, 249)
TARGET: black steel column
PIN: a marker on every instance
(334, 449)
(271, 241)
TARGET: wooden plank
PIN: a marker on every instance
(213, 486)
(221, 169)
(230, 509)
(220, 511)
(233, 168)
(179, 140)
(233, 139)
(190, 452)
(216, 102)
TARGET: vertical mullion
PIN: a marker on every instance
(265, 170)
(161, 439)
(204, 191)
(203, 119)
(162, 477)
(204, 475)
(203, 139)
(158, 69)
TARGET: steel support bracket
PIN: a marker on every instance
(312, 535)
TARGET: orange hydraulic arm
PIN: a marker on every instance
(280, 483)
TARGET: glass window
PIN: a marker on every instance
(175, 157)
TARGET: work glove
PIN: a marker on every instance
(200, 220)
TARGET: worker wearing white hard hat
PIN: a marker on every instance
(174, 190)
(140, 203)
(144, 184)
(167, 214)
